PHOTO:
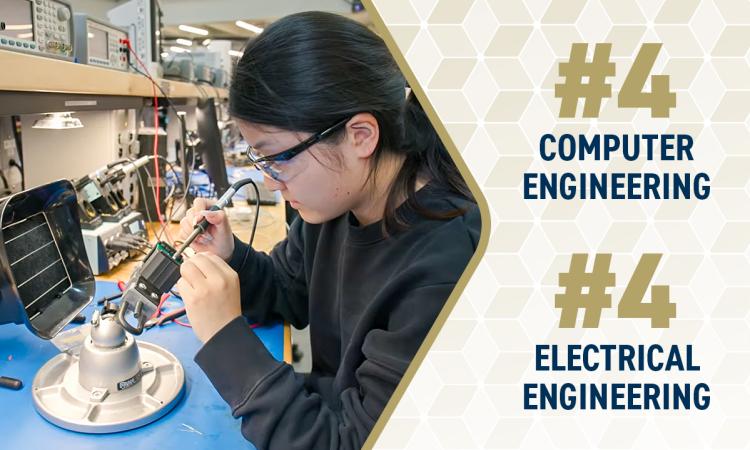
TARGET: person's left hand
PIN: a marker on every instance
(211, 292)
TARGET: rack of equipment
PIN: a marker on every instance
(40, 27)
(98, 43)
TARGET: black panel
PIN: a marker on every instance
(45, 279)
(35, 263)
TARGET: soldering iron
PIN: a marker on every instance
(160, 269)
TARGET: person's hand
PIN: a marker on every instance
(218, 237)
(211, 292)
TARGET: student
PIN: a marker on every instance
(387, 227)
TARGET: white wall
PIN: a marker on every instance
(94, 8)
(49, 155)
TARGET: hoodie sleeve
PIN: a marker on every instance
(273, 286)
(277, 409)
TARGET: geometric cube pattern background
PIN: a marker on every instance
(489, 68)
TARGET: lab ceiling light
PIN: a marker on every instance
(185, 42)
(23, 27)
(194, 30)
(206, 42)
(249, 27)
(58, 121)
(235, 53)
(179, 49)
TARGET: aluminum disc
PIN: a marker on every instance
(60, 398)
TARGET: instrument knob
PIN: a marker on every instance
(63, 14)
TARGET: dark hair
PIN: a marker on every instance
(310, 70)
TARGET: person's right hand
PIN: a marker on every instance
(217, 239)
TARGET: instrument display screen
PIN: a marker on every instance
(98, 43)
(16, 19)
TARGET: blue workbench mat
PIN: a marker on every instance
(201, 420)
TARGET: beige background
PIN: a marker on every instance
(489, 68)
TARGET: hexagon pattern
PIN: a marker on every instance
(489, 69)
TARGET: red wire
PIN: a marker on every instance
(178, 322)
(164, 297)
(156, 152)
(156, 136)
(157, 313)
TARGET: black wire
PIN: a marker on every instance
(169, 103)
(204, 94)
(108, 298)
(19, 147)
(143, 189)
(236, 185)
(183, 200)
(182, 138)
(216, 90)
(255, 223)
(5, 183)
(163, 93)
(156, 136)
(171, 167)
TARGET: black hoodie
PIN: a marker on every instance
(369, 300)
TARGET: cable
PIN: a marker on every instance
(255, 223)
(170, 104)
(15, 125)
(156, 162)
(163, 93)
(257, 214)
(163, 228)
(133, 160)
(143, 189)
(187, 189)
(223, 201)
(176, 206)
(204, 96)
(140, 181)
(154, 319)
(184, 145)
(156, 132)
(216, 90)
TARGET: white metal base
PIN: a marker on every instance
(61, 399)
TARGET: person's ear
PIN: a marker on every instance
(362, 134)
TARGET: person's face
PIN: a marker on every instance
(324, 181)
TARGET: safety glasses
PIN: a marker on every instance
(282, 166)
